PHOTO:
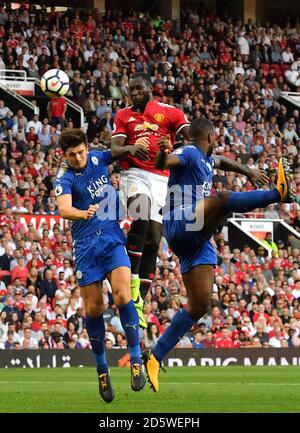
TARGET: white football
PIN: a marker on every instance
(55, 83)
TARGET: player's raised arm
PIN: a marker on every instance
(255, 175)
(67, 211)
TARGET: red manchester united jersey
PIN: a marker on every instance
(157, 120)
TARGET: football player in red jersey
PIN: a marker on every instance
(138, 130)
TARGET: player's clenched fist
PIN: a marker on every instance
(164, 143)
(91, 211)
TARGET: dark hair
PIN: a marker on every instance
(200, 128)
(71, 137)
(149, 333)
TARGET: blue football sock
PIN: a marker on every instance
(247, 201)
(180, 324)
(96, 330)
(130, 322)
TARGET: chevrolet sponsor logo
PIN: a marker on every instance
(145, 126)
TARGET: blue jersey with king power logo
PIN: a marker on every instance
(90, 186)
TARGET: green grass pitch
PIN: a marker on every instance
(182, 389)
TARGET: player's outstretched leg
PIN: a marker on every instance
(212, 211)
(283, 192)
(284, 177)
(120, 279)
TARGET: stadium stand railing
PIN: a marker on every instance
(10, 76)
(291, 97)
(20, 99)
(243, 228)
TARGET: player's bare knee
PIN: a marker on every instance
(199, 309)
(121, 295)
(94, 308)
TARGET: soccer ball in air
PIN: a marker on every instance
(55, 83)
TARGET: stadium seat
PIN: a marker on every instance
(284, 67)
(265, 68)
(277, 69)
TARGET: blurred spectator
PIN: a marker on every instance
(28, 341)
(48, 286)
(20, 271)
(34, 123)
(151, 335)
(62, 295)
(197, 341)
(57, 108)
(3, 110)
(224, 341)
(270, 243)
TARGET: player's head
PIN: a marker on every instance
(74, 146)
(202, 133)
(140, 88)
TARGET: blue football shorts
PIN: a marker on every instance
(189, 247)
(98, 254)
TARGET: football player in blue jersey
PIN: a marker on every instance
(191, 216)
(86, 196)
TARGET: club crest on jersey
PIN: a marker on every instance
(95, 160)
(159, 117)
(146, 126)
(79, 275)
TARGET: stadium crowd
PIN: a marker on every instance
(230, 72)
